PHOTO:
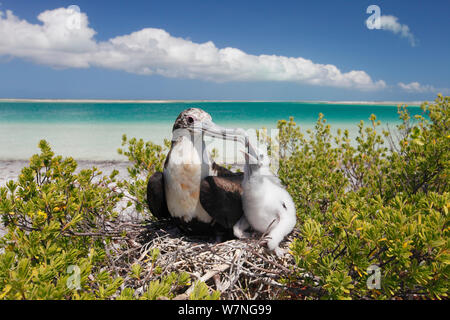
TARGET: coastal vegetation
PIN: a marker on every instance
(373, 218)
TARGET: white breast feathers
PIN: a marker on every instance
(182, 177)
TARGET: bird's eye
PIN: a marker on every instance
(190, 120)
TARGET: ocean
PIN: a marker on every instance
(92, 131)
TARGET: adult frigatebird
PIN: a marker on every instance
(201, 197)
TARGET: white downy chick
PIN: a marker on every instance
(267, 206)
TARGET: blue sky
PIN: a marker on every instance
(280, 50)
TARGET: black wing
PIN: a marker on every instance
(156, 200)
(221, 196)
(156, 196)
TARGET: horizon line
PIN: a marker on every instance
(362, 102)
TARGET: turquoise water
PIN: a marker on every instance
(92, 131)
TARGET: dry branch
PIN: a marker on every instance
(239, 269)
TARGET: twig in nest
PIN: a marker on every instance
(241, 269)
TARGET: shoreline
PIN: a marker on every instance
(143, 101)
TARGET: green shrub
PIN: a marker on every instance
(370, 205)
(53, 218)
(62, 231)
(146, 158)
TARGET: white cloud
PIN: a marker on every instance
(154, 51)
(416, 87)
(390, 23)
(51, 43)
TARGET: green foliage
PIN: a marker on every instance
(146, 158)
(421, 162)
(201, 292)
(166, 286)
(61, 231)
(361, 204)
(52, 215)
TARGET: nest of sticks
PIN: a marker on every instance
(239, 269)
